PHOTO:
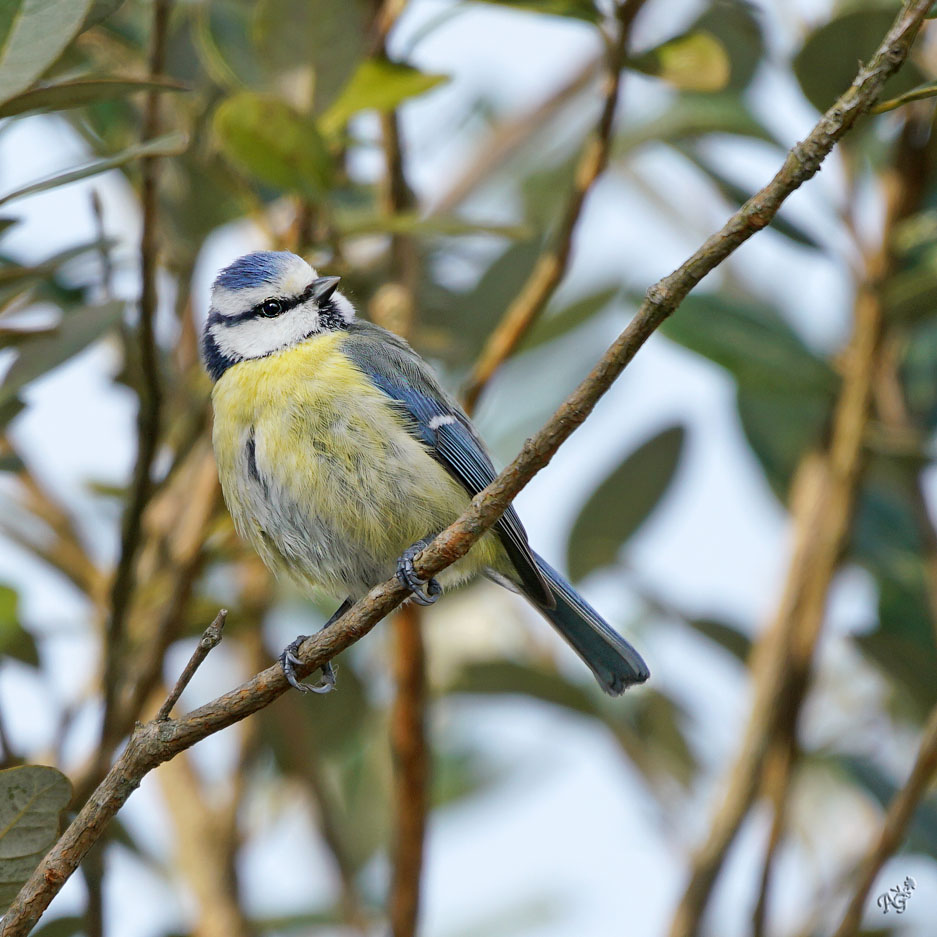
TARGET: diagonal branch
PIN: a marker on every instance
(899, 815)
(156, 742)
(552, 264)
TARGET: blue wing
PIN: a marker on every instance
(444, 428)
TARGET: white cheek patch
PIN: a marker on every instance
(255, 338)
(344, 307)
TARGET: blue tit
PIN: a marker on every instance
(341, 456)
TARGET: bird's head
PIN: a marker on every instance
(265, 302)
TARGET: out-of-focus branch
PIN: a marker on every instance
(411, 770)
(899, 815)
(394, 307)
(155, 742)
(551, 265)
(904, 190)
(149, 391)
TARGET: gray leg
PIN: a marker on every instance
(408, 577)
(289, 661)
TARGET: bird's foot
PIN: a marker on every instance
(289, 661)
(408, 577)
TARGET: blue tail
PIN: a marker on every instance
(615, 663)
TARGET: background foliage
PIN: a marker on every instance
(269, 136)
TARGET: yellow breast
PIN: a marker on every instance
(320, 473)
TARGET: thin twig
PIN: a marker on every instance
(552, 264)
(899, 815)
(153, 743)
(210, 639)
(149, 391)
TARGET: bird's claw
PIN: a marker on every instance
(289, 661)
(407, 576)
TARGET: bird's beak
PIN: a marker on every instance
(323, 288)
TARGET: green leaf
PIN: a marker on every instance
(736, 26)
(554, 324)
(780, 426)
(265, 137)
(331, 36)
(38, 33)
(752, 341)
(692, 116)
(66, 94)
(918, 370)
(735, 195)
(32, 798)
(37, 357)
(728, 637)
(15, 640)
(171, 144)
(376, 85)
(694, 61)
(574, 9)
(623, 502)
(69, 926)
(922, 834)
(648, 726)
(828, 60)
(356, 223)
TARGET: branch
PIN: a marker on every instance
(150, 394)
(210, 639)
(900, 812)
(156, 742)
(552, 264)
(395, 308)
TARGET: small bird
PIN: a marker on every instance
(341, 456)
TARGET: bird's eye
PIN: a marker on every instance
(271, 308)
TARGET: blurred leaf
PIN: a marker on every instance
(38, 33)
(751, 341)
(735, 24)
(68, 926)
(171, 144)
(552, 325)
(15, 640)
(225, 46)
(646, 725)
(922, 833)
(78, 329)
(376, 85)
(356, 224)
(8, 410)
(689, 117)
(100, 11)
(331, 36)
(738, 644)
(826, 64)
(466, 319)
(735, 195)
(694, 61)
(82, 91)
(271, 141)
(575, 9)
(623, 502)
(911, 294)
(780, 426)
(457, 774)
(301, 923)
(32, 798)
(918, 371)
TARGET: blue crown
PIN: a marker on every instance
(256, 269)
